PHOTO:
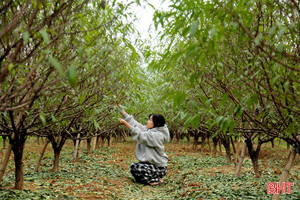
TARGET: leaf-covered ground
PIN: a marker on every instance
(104, 174)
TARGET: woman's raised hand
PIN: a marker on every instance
(120, 109)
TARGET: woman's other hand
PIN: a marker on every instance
(123, 122)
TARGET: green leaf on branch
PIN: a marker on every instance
(195, 121)
(56, 65)
(53, 118)
(134, 53)
(10, 67)
(26, 37)
(82, 98)
(72, 76)
(45, 35)
(275, 79)
(280, 47)
(292, 118)
(182, 115)
(96, 124)
(219, 119)
(212, 32)
(187, 123)
(272, 31)
(193, 28)
(192, 79)
(43, 118)
(252, 100)
(224, 125)
(224, 99)
(231, 126)
(178, 99)
(239, 111)
(138, 2)
(286, 85)
(292, 129)
(80, 51)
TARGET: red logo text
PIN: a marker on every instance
(275, 188)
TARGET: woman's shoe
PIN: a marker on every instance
(160, 182)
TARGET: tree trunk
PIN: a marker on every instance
(41, 155)
(209, 147)
(56, 159)
(254, 154)
(18, 148)
(237, 152)
(57, 147)
(239, 167)
(279, 143)
(232, 143)
(88, 145)
(177, 137)
(273, 145)
(124, 136)
(286, 171)
(226, 144)
(215, 141)
(80, 146)
(102, 141)
(95, 142)
(98, 142)
(188, 138)
(4, 141)
(228, 153)
(256, 167)
(75, 156)
(203, 142)
(108, 141)
(195, 141)
(5, 161)
(220, 146)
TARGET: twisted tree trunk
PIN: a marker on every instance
(57, 147)
(209, 147)
(4, 141)
(254, 154)
(75, 156)
(88, 143)
(237, 152)
(80, 147)
(203, 139)
(215, 141)
(5, 161)
(239, 167)
(56, 159)
(286, 171)
(226, 143)
(41, 155)
(220, 146)
(18, 148)
(232, 143)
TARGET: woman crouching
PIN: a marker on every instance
(152, 165)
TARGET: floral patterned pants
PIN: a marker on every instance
(147, 173)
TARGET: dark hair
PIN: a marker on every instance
(158, 120)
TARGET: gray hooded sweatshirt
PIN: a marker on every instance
(150, 142)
